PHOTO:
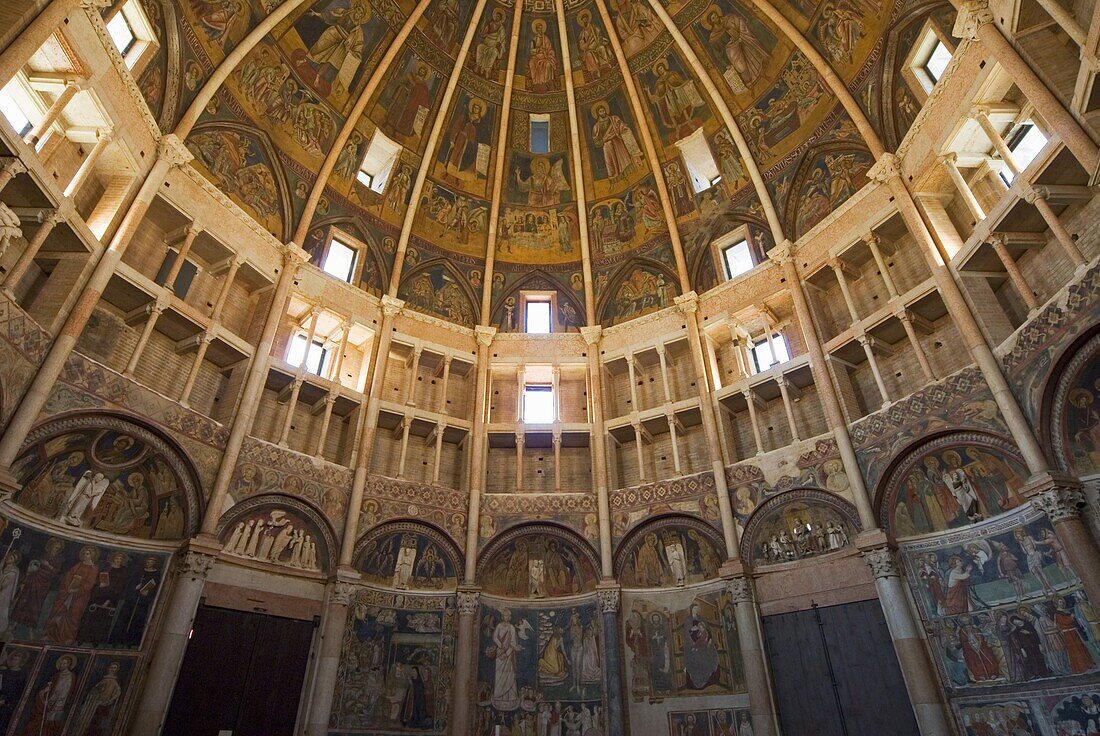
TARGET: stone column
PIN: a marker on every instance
(340, 594)
(757, 673)
(196, 365)
(976, 21)
(980, 114)
(12, 168)
(1065, 20)
(326, 419)
(465, 659)
(34, 137)
(907, 322)
(9, 228)
(192, 566)
(592, 337)
(520, 441)
(170, 153)
(155, 310)
(87, 166)
(750, 401)
(1014, 273)
(787, 407)
(950, 162)
(1037, 197)
(916, 667)
(484, 335)
(26, 258)
(609, 596)
(1062, 500)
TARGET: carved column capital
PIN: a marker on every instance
(886, 168)
(173, 150)
(485, 335)
(739, 589)
(973, 14)
(468, 601)
(9, 221)
(64, 211)
(609, 598)
(193, 563)
(883, 562)
(343, 593)
(592, 334)
(782, 253)
(294, 255)
(391, 306)
(1059, 497)
(949, 158)
(13, 167)
(688, 303)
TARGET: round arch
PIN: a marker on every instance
(538, 560)
(407, 553)
(669, 550)
(293, 532)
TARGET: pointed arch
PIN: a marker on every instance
(662, 286)
(827, 176)
(438, 287)
(542, 281)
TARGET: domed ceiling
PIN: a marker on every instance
(642, 80)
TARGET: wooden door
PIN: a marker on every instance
(242, 673)
(836, 673)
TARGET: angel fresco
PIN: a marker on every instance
(545, 185)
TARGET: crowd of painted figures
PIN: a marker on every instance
(721, 722)
(671, 557)
(272, 536)
(801, 533)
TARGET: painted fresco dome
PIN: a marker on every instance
(590, 139)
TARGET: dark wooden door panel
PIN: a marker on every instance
(807, 706)
(269, 704)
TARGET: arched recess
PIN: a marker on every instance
(949, 481)
(570, 309)
(242, 161)
(407, 554)
(639, 286)
(826, 177)
(109, 472)
(276, 529)
(1070, 410)
(538, 560)
(702, 267)
(669, 551)
(374, 267)
(798, 524)
(438, 288)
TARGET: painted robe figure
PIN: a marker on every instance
(417, 710)
(700, 653)
(51, 702)
(611, 135)
(37, 581)
(506, 642)
(542, 66)
(72, 598)
(97, 712)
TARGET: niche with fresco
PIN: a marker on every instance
(107, 474)
(278, 530)
(395, 665)
(537, 561)
(953, 481)
(1075, 412)
(407, 556)
(669, 552)
(797, 525)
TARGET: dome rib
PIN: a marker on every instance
(430, 148)
(751, 167)
(353, 118)
(498, 166)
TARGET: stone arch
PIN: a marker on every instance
(648, 557)
(130, 459)
(540, 280)
(427, 283)
(808, 188)
(512, 562)
(1069, 407)
(434, 562)
(815, 522)
(913, 498)
(371, 278)
(239, 530)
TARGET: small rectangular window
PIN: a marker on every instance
(538, 404)
(537, 318)
(186, 275)
(737, 259)
(315, 361)
(378, 162)
(762, 353)
(938, 59)
(340, 261)
(540, 134)
(17, 119)
(1026, 143)
(121, 32)
(699, 161)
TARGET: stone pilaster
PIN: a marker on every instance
(340, 594)
(757, 673)
(609, 597)
(468, 604)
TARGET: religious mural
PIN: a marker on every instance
(667, 553)
(277, 530)
(452, 220)
(436, 288)
(826, 181)
(789, 104)
(539, 670)
(110, 475)
(537, 561)
(407, 556)
(1003, 606)
(674, 98)
(406, 100)
(590, 48)
(59, 591)
(738, 44)
(538, 64)
(799, 524)
(681, 645)
(465, 151)
(635, 292)
(635, 24)
(621, 223)
(395, 665)
(1076, 412)
(1060, 712)
(722, 722)
(489, 54)
(953, 481)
